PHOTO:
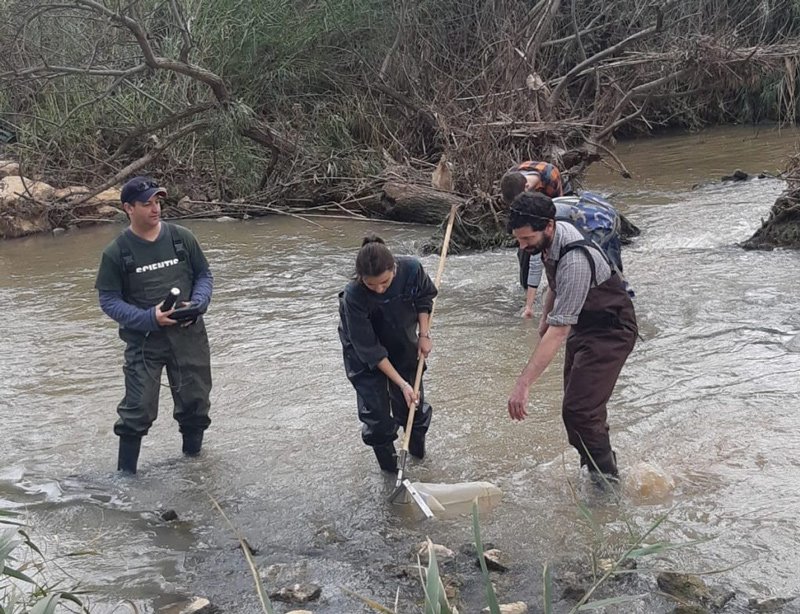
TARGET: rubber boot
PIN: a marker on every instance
(192, 442)
(128, 454)
(608, 474)
(387, 457)
(416, 444)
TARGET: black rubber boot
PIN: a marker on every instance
(128, 454)
(608, 474)
(416, 444)
(192, 442)
(387, 457)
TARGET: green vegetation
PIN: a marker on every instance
(307, 102)
(23, 584)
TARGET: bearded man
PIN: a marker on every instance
(587, 307)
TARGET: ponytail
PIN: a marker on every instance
(374, 258)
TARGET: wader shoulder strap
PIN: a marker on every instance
(177, 244)
(584, 245)
(127, 263)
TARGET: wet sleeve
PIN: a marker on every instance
(426, 291)
(125, 314)
(202, 289)
(361, 333)
(535, 270)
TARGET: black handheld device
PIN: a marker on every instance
(190, 312)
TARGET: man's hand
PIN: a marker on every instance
(518, 401)
(424, 345)
(408, 394)
(162, 317)
(527, 312)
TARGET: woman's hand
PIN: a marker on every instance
(408, 394)
(424, 345)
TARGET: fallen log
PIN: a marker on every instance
(408, 202)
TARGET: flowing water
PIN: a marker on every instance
(708, 400)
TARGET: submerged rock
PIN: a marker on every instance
(169, 515)
(738, 175)
(777, 604)
(327, 535)
(297, 593)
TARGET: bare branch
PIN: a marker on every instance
(183, 55)
(632, 93)
(601, 55)
(139, 164)
(167, 121)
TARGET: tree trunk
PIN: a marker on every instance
(408, 202)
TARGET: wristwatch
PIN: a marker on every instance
(426, 335)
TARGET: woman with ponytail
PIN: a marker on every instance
(384, 327)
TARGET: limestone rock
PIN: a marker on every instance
(23, 208)
(14, 188)
(442, 553)
(495, 560)
(297, 593)
(195, 605)
(518, 607)
(69, 192)
(8, 167)
(685, 587)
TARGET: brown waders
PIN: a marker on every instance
(596, 350)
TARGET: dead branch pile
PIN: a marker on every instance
(315, 107)
(782, 227)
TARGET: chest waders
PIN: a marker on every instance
(183, 351)
(596, 350)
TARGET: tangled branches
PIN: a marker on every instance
(292, 106)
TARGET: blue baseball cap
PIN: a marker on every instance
(140, 189)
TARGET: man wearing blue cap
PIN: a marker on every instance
(137, 271)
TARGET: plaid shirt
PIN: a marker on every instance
(573, 275)
(548, 174)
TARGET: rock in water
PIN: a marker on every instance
(297, 593)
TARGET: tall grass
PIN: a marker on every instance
(24, 588)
